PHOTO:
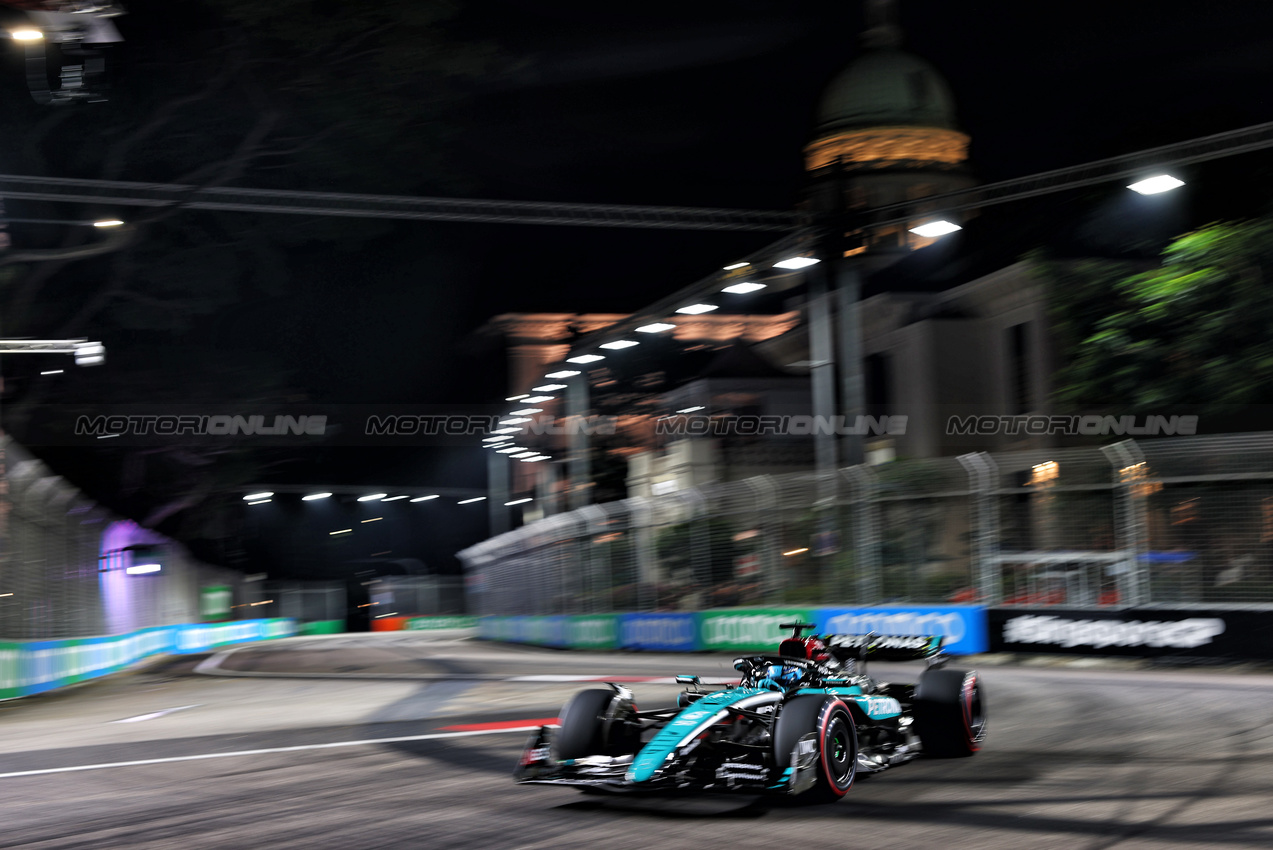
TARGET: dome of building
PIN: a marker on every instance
(883, 88)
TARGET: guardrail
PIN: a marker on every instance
(35, 666)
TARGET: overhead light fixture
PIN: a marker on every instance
(471, 501)
(537, 399)
(518, 502)
(374, 519)
(315, 496)
(692, 409)
(655, 328)
(342, 531)
(516, 420)
(52, 372)
(142, 569)
(620, 344)
(393, 498)
(564, 373)
(89, 354)
(525, 454)
(26, 35)
(509, 450)
(1156, 184)
(250, 497)
(744, 287)
(108, 222)
(585, 358)
(797, 551)
(730, 268)
(500, 439)
(510, 430)
(527, 411)
(424, 498)
(373, 497)
(796, 263)
(517, 397)
(260, 501)
(548, 388)
(698, 309)
(936, 228)
(535, 459)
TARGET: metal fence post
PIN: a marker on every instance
(983, 476)
(1131, 472)
(866, 536)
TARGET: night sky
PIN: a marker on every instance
(703, 104)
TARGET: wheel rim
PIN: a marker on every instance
(840, 752)
(975, 711)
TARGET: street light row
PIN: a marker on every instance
(268, 496)
(502, 439)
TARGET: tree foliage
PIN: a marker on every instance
(1197, 330)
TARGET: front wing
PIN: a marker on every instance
(606, 773)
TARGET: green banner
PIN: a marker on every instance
(322, 627)
(595, 631)
(747, 630)
(215, 601)
(443, 622)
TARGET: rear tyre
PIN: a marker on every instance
(950, 713)
(830, 720)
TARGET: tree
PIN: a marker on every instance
(1196, 331)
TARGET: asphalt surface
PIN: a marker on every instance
(168, 758)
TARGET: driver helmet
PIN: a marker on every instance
(779, 677)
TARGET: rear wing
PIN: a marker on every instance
(883, 647)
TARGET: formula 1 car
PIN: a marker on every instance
(805, 721)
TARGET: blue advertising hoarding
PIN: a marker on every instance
(962, 626)
(665, 632)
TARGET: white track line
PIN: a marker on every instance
(140, 717)
(264, 751)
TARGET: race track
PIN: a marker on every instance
(168, 758)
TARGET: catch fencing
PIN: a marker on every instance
(1167, 522)
(65, 560)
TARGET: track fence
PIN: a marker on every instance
(1175, 521)
(65, 563)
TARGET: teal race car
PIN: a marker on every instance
(805, 721)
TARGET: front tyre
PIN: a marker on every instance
(596, 722)
(828, 718)
(582, 721)
(950, 713)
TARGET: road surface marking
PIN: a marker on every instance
(155, 714)
(501, 726)
(646, 680)
(264, 751)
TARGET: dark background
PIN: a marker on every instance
(668, 103)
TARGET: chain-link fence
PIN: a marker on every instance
(1184, 520)
(303, 601)
(69, 568)
(416, 596)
